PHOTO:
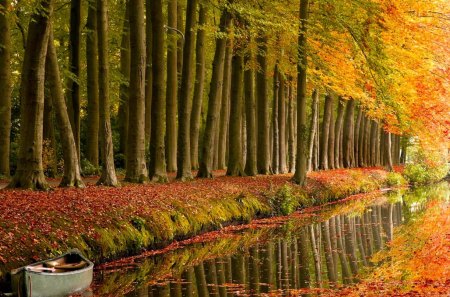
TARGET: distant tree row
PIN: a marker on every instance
(130, 84)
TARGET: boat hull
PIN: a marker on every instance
(29, 283)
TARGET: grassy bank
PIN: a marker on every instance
(108, 223)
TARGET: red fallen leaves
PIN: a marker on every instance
(63, 214)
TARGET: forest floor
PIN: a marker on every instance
(109, 223)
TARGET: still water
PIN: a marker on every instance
(330, 246)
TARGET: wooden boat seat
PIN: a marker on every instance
(62, 265)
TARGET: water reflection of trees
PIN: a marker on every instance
(323, 254)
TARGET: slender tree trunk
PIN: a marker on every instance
(387, 152)
(108, 177)
(263, 124)
(313, 127)
(331, 137)
(92, 85)
(5, 88)
(184, 112)
(148, 71)
(301, 163)
(73, 87)
(404, 145)
(172, 88)
(275, 129)
(357, 132)
(225, 109)
(200, 57)
(282, 123)
(326, 122)
(361, 148)
(373, 142)
(29, 173)
(72, 176)
(250, 109)
(125, 67)
(136, 165)
(338, 133)
(291, 126)
(206, 163)
(181, 5)
(157, 166)
(50, 159)
(235, 166)
(348, 135)
(367, 142)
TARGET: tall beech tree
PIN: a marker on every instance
(338, 133)
(108, 176)
(263, 124)
(301, 163)
(282, 123)
(328, 110)
(250, 116)
(124, 89)
(71, 176)
(73, 85)
(313, 127)
(157, 165)
(30, 173)
(92, 85)
(206, 163)
(275, 128)
(235, 163)
(136, 165)
(331, 134)
(200, 69)
(222, 136)
(184, 112)
(5, 88)
(172, 87)
(348, 136)
(148, 70)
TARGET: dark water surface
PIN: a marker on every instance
(321, 249)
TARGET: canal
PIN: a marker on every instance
(325, 247)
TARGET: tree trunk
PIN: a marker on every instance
(282, 123)
(361, 148)
(331, 137)
(235, 165)
(373, 143)
(157, 166)
(199, 86)
(357, 132)
(387, 152)
(73, 87)
(313, 127)
(184, 112)
(206, 163)
(326, 122)
(148, 70)
(136, 165)
(225, 108)
(29, 173)
(275, 130)
(301, 163)
(5, 88)
(108, 177)
(291, 126)
(72, 176)
(263, 124)
(367, 142)
(50, 159)
(338, 133)
(250, 109)
(125, 67)
(92, 85)
(172, 88)
(348, 136)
